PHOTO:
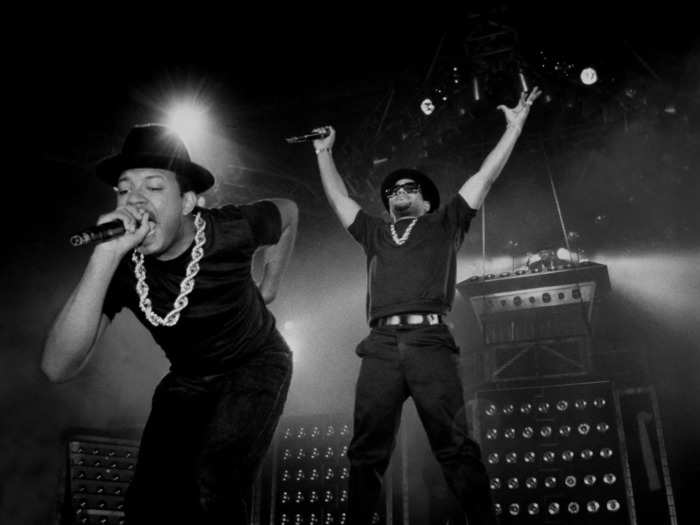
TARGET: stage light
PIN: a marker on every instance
(613, 505)
(523, 82)
(670, 109)
(427, 106)
(189, 121)
(476, 92)
(566, 255)
(589, 76)
(592, 506)
(609, 479)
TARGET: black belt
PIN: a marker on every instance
(409, 320)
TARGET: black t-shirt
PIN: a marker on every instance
(226, 317)
(419, 275)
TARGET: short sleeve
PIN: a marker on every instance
(362, 227)
(265, 221)
(458, 214)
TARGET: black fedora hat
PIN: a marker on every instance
(154, 146)
(427, 187)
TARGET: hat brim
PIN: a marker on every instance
(427, 187)
(108, 170)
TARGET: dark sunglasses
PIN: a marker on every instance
(409, 187)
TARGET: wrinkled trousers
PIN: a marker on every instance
(205, 440)
(420, 362)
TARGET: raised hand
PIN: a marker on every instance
(327, 143)
(516, 116)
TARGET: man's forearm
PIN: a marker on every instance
(475, 189)
(76, 329)
(336, 191)
(333, 183)
(276, 257)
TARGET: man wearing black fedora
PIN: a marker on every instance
(185, 272)
(411, 277)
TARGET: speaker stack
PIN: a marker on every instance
(562, 443)
(99, 470)
(305, 481)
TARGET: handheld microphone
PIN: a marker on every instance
(309, 137)
(99, 233)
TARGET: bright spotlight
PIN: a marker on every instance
(189, 121)
(589, 76)
(566, 255)
(427, 106)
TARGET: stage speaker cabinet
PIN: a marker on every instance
(306, 475)
(536, 324)
(556, 454)
(98, 472)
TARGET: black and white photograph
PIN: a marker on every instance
(345, 264)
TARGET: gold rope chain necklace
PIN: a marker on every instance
(400, 240)
(186, 286)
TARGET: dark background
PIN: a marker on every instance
(623, 154)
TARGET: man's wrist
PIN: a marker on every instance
(326, 149)
(107, 255)
(512, 126)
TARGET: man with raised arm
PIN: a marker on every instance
(411, 278)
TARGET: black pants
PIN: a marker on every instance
(420, 362)
(204, 441)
